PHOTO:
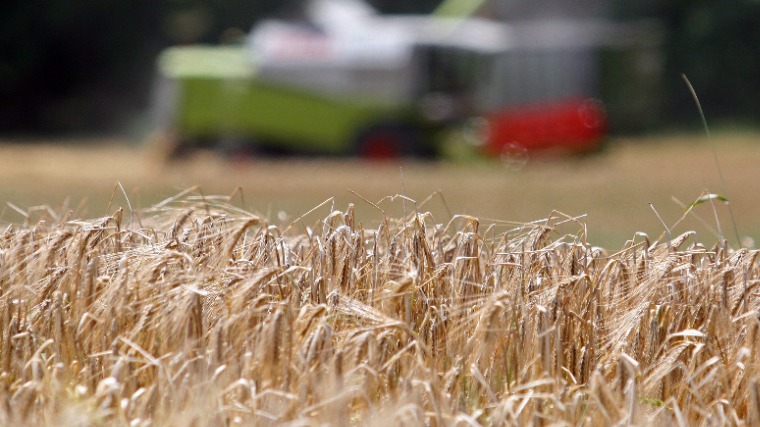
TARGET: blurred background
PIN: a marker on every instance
(83, 90)
(87, 67)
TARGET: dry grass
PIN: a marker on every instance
(199, 313)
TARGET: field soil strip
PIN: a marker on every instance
(614, 189)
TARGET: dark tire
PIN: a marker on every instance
(389, 142)
(167, 145)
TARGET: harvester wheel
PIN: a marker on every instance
(389, 142)
(167, 145)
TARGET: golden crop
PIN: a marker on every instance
(202, 314)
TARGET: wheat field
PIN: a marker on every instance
(195, 312)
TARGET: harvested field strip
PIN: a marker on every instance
(203, 314)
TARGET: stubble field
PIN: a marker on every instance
(614, 189)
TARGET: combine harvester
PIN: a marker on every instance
(350, 81)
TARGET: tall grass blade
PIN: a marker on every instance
(715, 156)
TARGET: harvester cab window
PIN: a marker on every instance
(447, 80)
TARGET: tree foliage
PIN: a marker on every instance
(716, 45)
